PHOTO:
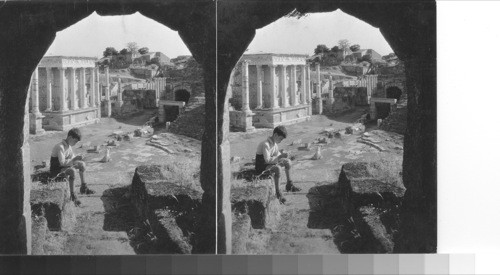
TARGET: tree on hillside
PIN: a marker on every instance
(367, 58)
(344, 44)
(335, 49)
(109, 52)
(124, 51)
(355, 48)
(132, 47)
(321, 49)
(143, 50)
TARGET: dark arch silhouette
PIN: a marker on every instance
(182, 95)
(394, 92)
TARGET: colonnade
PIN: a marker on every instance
(77, 90)
(302, 96)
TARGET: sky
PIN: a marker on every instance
(302, 35)
(92, 35)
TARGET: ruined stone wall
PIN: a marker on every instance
(344, 99)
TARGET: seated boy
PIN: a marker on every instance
(63, 161)
(269, 158)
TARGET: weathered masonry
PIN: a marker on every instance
(64, 93)
(270, 90)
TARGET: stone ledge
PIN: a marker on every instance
(360, 185)
(172, 209)
(241, 230)
(369, 223)
(38, 234)
(54, 204)
(259, 202)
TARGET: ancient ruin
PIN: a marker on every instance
(64, 93)
(270, 90)
(409, 27)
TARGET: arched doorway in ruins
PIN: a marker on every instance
(182, 95)
(15, 195)
(394, 92)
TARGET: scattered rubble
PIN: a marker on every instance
(317, 155)
(107, 156)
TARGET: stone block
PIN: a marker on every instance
(364, 183)
(167, 230)
(259, 202)
(241, 229)
(369, 223)
(38, 234)
(53, 204)
(171, 207)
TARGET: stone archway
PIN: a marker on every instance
(411, 32)
(24, 44)
(393, 92)
(182, 95)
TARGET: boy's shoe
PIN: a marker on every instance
(280, 198)
(85, 190)
(75, 200)
(291, 188)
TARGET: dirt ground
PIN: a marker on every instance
(304, 230)
(105, 219)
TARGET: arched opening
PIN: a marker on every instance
(182, 95)
(335, 80)
(394, 92)
(79, 91)
(407, 42)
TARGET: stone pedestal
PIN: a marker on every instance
(36, 124)
(107, 108)
(242, 120)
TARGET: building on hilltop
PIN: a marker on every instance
(362, 52)
(148, 57)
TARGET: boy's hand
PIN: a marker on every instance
(283, 155)
(78, 157)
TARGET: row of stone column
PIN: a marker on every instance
(305, 95)
(94, 90)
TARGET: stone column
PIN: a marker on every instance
(107, 95)
(35, 117)
(72, 88)
(330, 93)
(259, 87)
(98, 93)
(318, 89)
(284, 101)
(247, 116)
(245, 104)
(119, 102)
(272, 89)
(49, 89)
(92, 87)
(293, 85)
(63, 102)
(83, 89)
(308, 84)
(304, 84)
(35, 94)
